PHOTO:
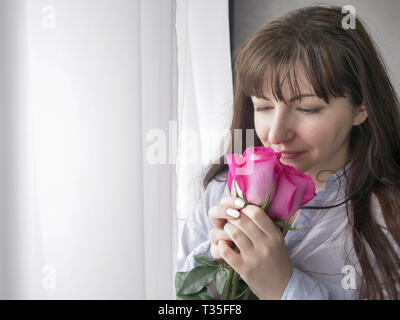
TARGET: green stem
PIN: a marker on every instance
(244, 291)
(247, 294)
(235, 281)
(229, 283)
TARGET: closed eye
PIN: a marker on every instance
(306, 111)
(263, 108)
(310, 111)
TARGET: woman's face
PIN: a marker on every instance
(319, 131)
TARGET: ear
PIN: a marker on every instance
(360, 115)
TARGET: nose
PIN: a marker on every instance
(281, 130)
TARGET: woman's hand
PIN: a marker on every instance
(262, 260)
(219, 218)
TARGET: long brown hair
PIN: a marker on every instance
(338, 62)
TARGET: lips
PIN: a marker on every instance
(291, 152)
(290, 155)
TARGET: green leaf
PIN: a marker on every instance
(220, 278)
(244, 199)
(196, 296)
(205, 296)
(205, 260)
(196, 280)
(281, 223)
(179, 280)
(243, 196)
(266, 203)
(228, 191)
(237, 194)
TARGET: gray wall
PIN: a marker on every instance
(382, 18)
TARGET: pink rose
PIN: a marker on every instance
(260, 176)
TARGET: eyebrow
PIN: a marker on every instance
(304, 95)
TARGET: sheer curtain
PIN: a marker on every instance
(205, 95)
(87, 207)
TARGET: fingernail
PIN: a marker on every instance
(239, 203)
(233, 213)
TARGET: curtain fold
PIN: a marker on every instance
(84, 214)
(21, 250)
(159, 114)
(205, 96)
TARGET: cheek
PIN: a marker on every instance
(261, 128)
(324, 134)
(314, 135)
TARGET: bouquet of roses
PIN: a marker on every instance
(260, 179)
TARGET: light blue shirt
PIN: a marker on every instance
(324, 262)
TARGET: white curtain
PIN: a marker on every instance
(205, 95)
(86, 212)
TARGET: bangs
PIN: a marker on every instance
(320, 63)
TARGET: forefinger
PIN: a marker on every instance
(228, 209)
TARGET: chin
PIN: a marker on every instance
(297, 166)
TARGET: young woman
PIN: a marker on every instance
(320, 94)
